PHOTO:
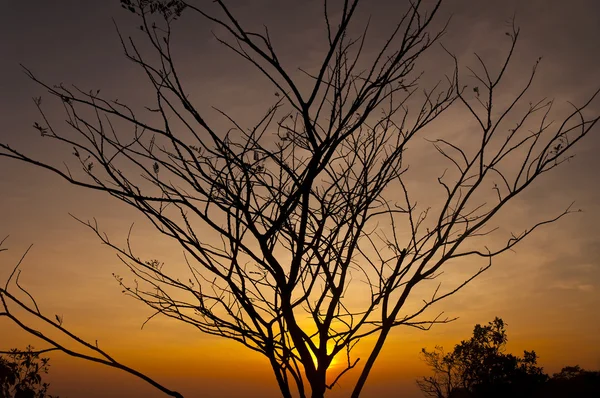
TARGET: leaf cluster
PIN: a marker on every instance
(21, 375)
(170, 9)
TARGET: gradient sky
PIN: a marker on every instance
(548, 290)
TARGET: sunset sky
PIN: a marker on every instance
(547, 290)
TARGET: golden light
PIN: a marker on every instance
(336, 359)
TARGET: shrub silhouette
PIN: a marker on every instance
(21, 375)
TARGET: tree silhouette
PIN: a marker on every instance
(572, 381)
(296, 203)
(21, 374)
(478, 367)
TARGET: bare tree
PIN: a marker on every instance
(296, 202)
(447, 375)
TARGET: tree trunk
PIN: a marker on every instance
(319, 384)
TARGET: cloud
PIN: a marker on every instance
(573, 285)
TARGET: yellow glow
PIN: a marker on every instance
(336, 359)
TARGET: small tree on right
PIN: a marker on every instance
(572, 381)
(478, 367)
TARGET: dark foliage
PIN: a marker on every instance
(479, 368)
(572, 381)
(21, 375)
